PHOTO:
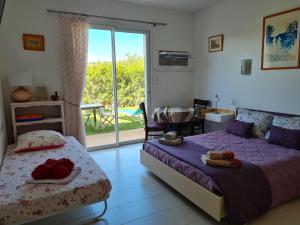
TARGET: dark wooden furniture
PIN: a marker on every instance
(152, 127)
(198, 120)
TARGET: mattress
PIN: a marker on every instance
(280, 164)
(21, 202)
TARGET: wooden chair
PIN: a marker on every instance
(198, 119)
(152, 127)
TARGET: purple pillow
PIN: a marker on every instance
(239, 128)
(285, 137)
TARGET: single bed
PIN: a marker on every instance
(21, 202)
(279, 164)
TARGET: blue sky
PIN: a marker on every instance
(100, 45)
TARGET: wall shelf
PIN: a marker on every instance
(52, 112)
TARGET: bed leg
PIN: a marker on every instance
(103, 212)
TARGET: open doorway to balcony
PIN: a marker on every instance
(116, 83)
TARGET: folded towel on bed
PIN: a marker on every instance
(65, 180)
(220, 162)
(53, 169)
(216, 155)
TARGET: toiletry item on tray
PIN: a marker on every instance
(171, 138)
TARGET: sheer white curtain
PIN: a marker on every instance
(73, 46)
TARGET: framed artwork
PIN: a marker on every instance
(33, 42)
(246, 67)
(215, 43)
(280, 47)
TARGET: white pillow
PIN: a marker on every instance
(39, 140)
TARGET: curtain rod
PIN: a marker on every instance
(109, 18)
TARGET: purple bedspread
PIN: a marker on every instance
(280, 165)
(233, 182)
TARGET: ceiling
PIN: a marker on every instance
(182, 5)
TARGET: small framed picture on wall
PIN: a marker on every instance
(215, 43)
(33, 42)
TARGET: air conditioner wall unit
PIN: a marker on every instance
(174, 58)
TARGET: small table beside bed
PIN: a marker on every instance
(269, 174)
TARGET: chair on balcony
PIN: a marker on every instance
(87, 115)
(198, 119)
(106, 118)
(152, 127)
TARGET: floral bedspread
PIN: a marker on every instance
(21, 202)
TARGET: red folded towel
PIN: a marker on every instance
(53, 169)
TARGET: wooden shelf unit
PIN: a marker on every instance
(52, 112)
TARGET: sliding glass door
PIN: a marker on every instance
(115, 85)
(130, 79)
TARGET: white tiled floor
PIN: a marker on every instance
(139, 198)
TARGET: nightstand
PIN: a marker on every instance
(218, 121)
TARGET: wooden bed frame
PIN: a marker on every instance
(209, 202)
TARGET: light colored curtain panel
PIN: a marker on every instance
(73, 46)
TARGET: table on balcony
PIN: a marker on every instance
(93, 107)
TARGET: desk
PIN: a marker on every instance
(93, 107)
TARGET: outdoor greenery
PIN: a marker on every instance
(130, 81)
(125, 123)
(130, 87)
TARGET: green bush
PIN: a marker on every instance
(130, 82)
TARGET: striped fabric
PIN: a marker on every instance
(173, 114)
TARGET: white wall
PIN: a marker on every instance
(30, 17)
(241, 23)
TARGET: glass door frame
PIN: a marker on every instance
(148, 79)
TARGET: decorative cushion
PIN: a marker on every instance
(39, 140)
(285, 137)
(262, 121)
(240, 128)
(292, 123)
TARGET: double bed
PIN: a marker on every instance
(279, 166)
(21, 202)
